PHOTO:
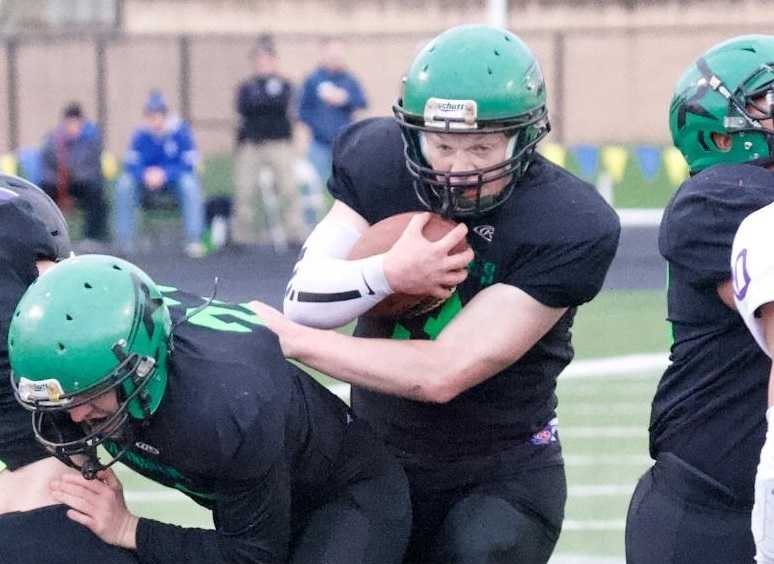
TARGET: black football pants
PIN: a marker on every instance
(485, 511)
(365, 517)
(679, 515)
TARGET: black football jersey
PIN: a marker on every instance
(554, 239)
(22, 239)
(710, 403)
(241, 431)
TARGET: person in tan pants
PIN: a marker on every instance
(264, 158)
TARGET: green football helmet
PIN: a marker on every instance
(471, 79)
(90, 325)
(716, 95)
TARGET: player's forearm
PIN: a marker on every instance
(414, 369)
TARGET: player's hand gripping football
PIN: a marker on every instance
(763, 509)
(417, 266)
(98, 505)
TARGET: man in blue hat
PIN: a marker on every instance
(162, 157)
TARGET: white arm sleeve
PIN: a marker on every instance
(327, 290)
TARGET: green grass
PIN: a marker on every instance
(620, 322)
(590, 410)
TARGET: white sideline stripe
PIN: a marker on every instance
(636, 217)
(602, 490)
(580, 460)
(628, 366)
(602, 432)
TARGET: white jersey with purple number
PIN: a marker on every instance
(752, 267)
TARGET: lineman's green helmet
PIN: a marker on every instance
(89, 325)
(472, 79)
(728, 90)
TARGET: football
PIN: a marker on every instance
(379, 238)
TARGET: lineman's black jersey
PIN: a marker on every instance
(554, 239)
(710, 403)
(241, 431)
(22, 239)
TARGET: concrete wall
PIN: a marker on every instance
(609, 83)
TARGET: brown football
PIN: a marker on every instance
(379, 238)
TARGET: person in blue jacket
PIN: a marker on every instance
(162, 157)
(330, 96)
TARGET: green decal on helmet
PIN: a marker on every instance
(89, 325)
(728, 90)
(472, 79)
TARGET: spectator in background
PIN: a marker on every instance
(264, 143)
(71, 166)
(162, 158)
(329, 97)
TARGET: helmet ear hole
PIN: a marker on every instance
(722, 141)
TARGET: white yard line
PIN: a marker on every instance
(632, 365)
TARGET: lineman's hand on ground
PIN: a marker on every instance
(98, 505)
(417, 266)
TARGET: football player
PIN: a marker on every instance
(33, 525)
(464, 395)
(196, 395)
(707, 422)
(752, 264)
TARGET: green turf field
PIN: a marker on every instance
(603, 425)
